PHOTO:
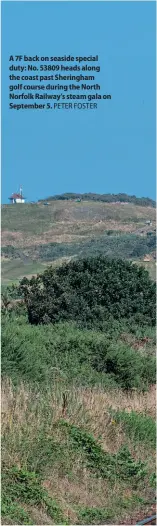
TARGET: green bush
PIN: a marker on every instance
(125, 364)
(41, 354)
(88, 291)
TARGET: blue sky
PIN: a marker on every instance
(111, 149)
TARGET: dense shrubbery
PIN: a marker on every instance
(90, 291)
(123, 245)
(89, 308)
(43, 354)
(106, 198)
(114, 244)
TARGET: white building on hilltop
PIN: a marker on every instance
(17, 198)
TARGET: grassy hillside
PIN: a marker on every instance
(37, 234)
(78, 363)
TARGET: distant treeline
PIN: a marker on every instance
(106, 198)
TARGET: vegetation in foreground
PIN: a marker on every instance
(83, 463)
(78, 406)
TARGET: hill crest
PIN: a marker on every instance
(106, 198)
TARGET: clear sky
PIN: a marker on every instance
(109, 150)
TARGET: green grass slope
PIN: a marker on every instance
(78, 363)
(34, 234)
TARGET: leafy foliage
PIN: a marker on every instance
(89, 291)
(105, 465)
(14, 512)
(23, 486)
(43, 353)
(94, 515)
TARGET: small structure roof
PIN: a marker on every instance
(17, 196)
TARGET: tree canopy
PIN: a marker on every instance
(89, 291)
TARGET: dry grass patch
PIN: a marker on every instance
(30, 422)
(23, 412)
